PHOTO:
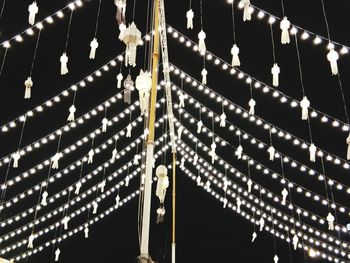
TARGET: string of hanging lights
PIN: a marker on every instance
(259, 85)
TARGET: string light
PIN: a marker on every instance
(266, 89)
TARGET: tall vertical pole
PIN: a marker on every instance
(173, 244)
(150, 141)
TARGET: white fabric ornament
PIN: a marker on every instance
(127, 180)
(239, 152)
(91, 156)
(122, 28)
(28, 84)
(31, 241)
(57, 254)
(16, 156)
(153, 162)
(190, 16)
(44, 198)
(275, 71)
(136, 159)
(201, 45)
(199, 180)
(246, 10)
(128, 86)
(212, 152)
(254, 236)
(144, 85)
(114, 154)
(132, 38)
(179, 132)
(121, 10)
(104, 124)
(195, 159)
(182, 165)
(284, 25)
(330, 219)
(261, 224)
(252, 104)
(55, 160)
(207, 185)
(295, 241)
(312, 150)
(162, 182)
(86, 232)
(225, 185)
(284, 196)
(102, 186)
(271, 150)
(95, 207)
(65, 221)
(275, 259)
(77, 188)
(304, 104)
(235, 58)
(224, 203)
(250, 183)
(117, 200)
(71, 116)
(199, 126)
(223, 120)
(93, 47)
(348, 142)
(64, 62)
(119, 80)
(333, 57)
(33, 9)
(239, 203)
(204, 74)
(128, 131)
(181, 100)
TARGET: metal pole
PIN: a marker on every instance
(144, 257)
(173, 245)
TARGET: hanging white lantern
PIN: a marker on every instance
(95, 207)
(72, 111)
(16, 156)
(33, 10)
(284, 25)
(128, 131)
(114, 154)
(119, 80)
(179, 132)
(235, 57)
(304, 104)
(93, 47)
(44, 198)
(162, 182)
(137, 157)
(117, 200)
(65, 222)
(261, 224)
(284, 196)
(204, 74)
(348, 143)
(246, 10)
(182, 164)
(271, 152)
(254, 236)
(250, 184)
(104, 124)
(330, 220)
(28, 84)
(77, 188)
(57, 254)
(312, 150)
(91, 156)
(239, 203)
(275, 71)
(195, 159)
(64, 62)
(275, 259)
(239, 152)
(31, 241)
(224, 203)
(86, 232)
(201, 45)
(144, 86)
(102, 186)
(128, 86)
(121, 10)
(181, 100)
(198, 180)
(199, 126)
(333, 57)
(252, 104)
(212, 152)
(132, 38)
(223, 119)
(190, 16)
(122, 28)
(295, 241)
(55, 160)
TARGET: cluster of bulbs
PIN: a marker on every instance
(259, 144)
(40, 25)
(283, 181)
(259, 122)
(301, 212)
(266, 89)
(256, 211)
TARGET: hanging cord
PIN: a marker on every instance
(248, 166)
(282, 6)
(98, 17)
(190, 4)
(50, 166)
(273, 44)
(146, 42)
(35, 52)
(325, 182)
(273, 229)
(289, 248)
(3, 61)
(343, 99)
(2, 9)
(81, 170)
(326, 21)
(201, 11)
(163, 132)
(254, 226)
(303, 244)
(225, 193)
(282, 167)
(37, 207)
(302, 82)
(53, 246)
(68, 31)
(233, 23)
(270, 136)
(213, 127)
(133, 10)
(251, 90)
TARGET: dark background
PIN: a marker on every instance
(205, 231)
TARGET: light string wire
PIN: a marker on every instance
(273, 43)
(3, 61)
(324, 117)
(97, 17)
(259, 141)
(2, 8)
(233, 22)
(68, 30)
(35, 53)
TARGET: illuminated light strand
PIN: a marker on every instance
(259, 144)
(30, 172)
(279, 225)
(266, 171)
(78, 229)
(269, 195)
(40, 25)
(259, 122)
(259, 85)
(72, 202)
(68, 127)
(303, 33)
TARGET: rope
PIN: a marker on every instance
(283, 11)
(98, 17)
(133, 10)
(233, 23)
(343, 98)
(68, 31)
(3, 61)
(273, 44)
(326, 21)
(201, 11)
(2, 8)
(35, 52)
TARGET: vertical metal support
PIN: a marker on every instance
(173, 244)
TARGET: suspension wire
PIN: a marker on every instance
(270, 136)
(2, 9)
(273, 44)
(201, 12)
(3, 61)
(273, 236)
(283, 11)
(147, 30)
(303, 244)
(68, 31)
(190, 4)
(233, 22)
(289, 248)
(343, 99)
(133, 10)
(98, 17)
(35, 52)
(53, 246)
(326, 21)
(251, 90)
